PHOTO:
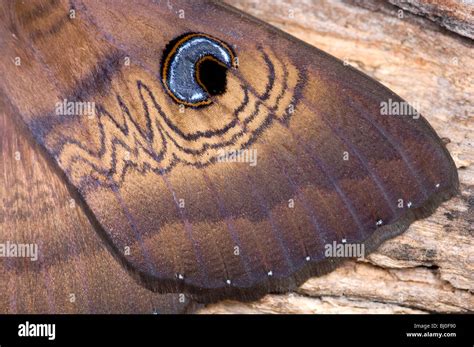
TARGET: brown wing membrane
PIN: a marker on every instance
(330, 167)
(72, 270)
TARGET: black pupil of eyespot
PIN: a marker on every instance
(212, 76)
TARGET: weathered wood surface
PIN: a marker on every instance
(454, 15)
(429, 268)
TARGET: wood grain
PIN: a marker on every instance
(457, 16)
(430, 267)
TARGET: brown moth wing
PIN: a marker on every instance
(148, 173)
(74, 272)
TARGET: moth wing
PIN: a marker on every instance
(322, 164)
(53, 260)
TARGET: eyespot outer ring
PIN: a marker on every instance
(171, 54)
